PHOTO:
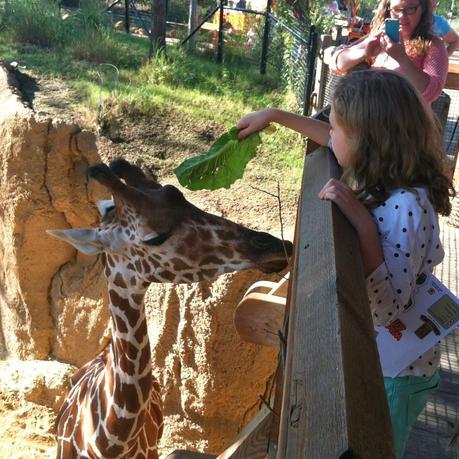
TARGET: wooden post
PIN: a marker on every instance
(334, 403)
(265, 45)
(158, 27)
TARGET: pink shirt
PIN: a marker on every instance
(434, 63)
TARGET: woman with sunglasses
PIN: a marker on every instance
(418, 55)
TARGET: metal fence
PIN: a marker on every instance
(259, 38)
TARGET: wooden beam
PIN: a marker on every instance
(334, 403)
(252, 441)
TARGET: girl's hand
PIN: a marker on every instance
(361, 220)
(254, 122)
(346, 200)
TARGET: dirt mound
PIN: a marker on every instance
(30, 395)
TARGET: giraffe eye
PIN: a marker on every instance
(262, 241)
(157, 240)
(107, 213)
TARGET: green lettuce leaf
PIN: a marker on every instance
(222, 165)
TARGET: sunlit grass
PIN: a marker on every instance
(114, 78)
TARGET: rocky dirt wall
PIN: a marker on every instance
(42, 186)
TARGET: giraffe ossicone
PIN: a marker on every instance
(148, 233)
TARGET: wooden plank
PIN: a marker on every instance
(426, 445)
(334, 401)
(252, 441)
(279, 377)
(322, 115)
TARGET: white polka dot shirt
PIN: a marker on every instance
(409, 233)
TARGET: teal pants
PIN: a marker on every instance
(407, 396)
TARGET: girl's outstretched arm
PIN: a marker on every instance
(318, 131)
(360, 218)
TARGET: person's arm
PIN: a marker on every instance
(451, 40)
(429, 79)
(361, 220)
(348, 57)
(416, 76)
(318, 131)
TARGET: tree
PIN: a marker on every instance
(158, 26)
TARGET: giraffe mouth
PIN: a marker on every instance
(275, 266)
(275, 262)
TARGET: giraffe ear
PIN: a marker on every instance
(85, 240)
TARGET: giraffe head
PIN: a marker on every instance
(154, 231)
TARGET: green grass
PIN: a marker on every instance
(111, 73)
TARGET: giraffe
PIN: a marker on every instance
(149, 233)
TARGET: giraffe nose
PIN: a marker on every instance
(272, 253)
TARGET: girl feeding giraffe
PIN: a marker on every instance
(392, 191)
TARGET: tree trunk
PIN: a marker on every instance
(192, 21)
(158, 26)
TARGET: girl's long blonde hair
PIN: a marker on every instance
(397, 143)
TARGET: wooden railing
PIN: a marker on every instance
(333, 403)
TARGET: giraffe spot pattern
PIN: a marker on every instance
(179, 264)
(226, 235)
(167, 275)
(211, 260)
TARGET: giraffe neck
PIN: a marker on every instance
(128, 369)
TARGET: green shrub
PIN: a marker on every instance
(94, 46)
(170, 68)
(90, 16)
(35, 21)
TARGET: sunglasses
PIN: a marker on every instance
(409, 11)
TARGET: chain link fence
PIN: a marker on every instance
(452, 129)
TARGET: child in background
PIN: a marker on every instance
(388, 145)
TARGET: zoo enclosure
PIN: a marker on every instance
(277, 47)
(286, 49)
(289, 49)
